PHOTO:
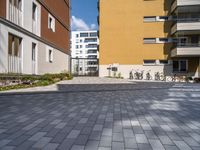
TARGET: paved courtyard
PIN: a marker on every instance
(141, 116)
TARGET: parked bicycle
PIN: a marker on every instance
(138, 75)
(148, 75)
(159, 76)
(131, 75)
(176, 78)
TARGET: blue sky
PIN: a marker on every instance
(84, 14)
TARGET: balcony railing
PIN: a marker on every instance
(185, 45)
(182, 20)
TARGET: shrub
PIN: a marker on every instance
(32, 80)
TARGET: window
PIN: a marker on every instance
(77, 47)
(14, 54)
(15, 11)
(164, 18)
(34, 8)
(51, 23)
(163, 62)
(81, 46)
(180, 65)
(33, 51)
(90, 40)
(91, 46)
(77, 35)
(33, 58)
(149, 40)
(149, 62)
(93, 34)
(150, 19)
(50, 55)
(83, 34)
(164, 40)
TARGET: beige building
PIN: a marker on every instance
(145, 35)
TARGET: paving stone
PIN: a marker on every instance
(51, 146)
(4, 142)
(98, 127)
(95, 135)
(141, 138)
(130, 143)
(37, 136)
(8, 148)
(59, 138)
(170, 147)
(26, 145)
(165, 140)
(118, 146)
(60, 125)
(156, 145)
(19, 140)
(107, 132)
(77, 147)
(118, 137)
(66, 144)
(42, 142)
(106, 141)
(182, 145)
(104, 148)
(144, 147)
(73, 134)
(81, 140)
(92, 145)
(128, 133)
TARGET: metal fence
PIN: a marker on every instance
(85, 66)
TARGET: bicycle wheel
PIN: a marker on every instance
(162, 77)
(169, 79)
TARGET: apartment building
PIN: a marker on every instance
(149, 35)
(34, 36)
(84, 52)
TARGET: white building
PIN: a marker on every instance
(84, 52)
(29, 37)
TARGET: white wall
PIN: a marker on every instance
(61, 61)
(125, 70)
(26, 49)
(27, 15)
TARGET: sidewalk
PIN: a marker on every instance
(74, 81)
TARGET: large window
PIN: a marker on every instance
(14, 54)
(180, 65)
(15, 11)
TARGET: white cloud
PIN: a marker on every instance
(79, 24)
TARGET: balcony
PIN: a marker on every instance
(177, 3)
(186, 24)
(186, 50)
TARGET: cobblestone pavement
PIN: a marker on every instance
(143, 116)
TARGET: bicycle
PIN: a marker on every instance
(131, 75)
(159, 76)
(148, 75)
(172, 78)
(138, 75)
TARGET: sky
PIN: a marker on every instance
(84, 15)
